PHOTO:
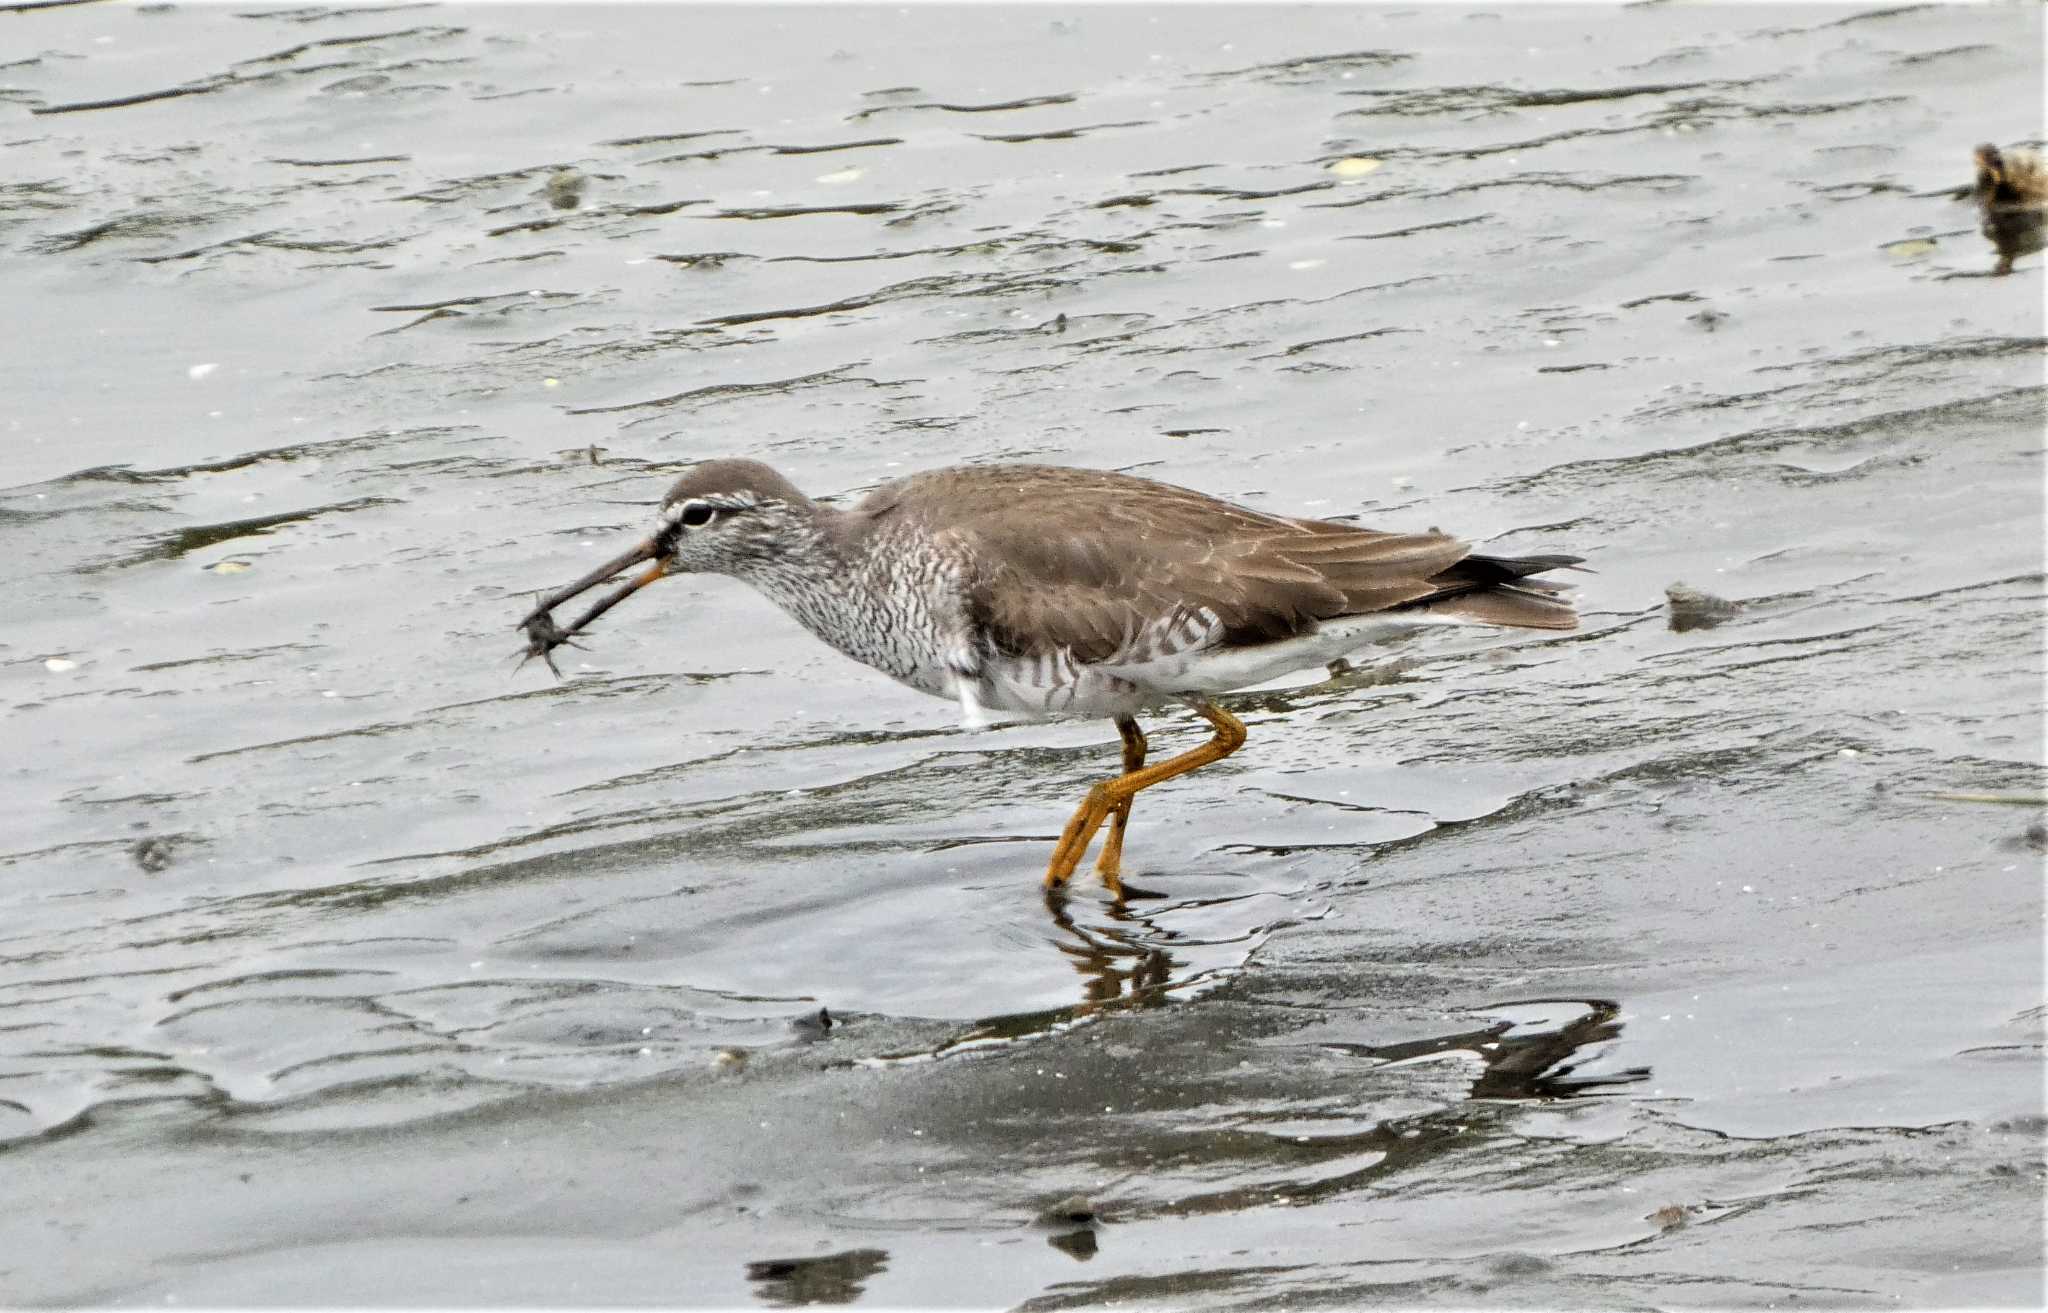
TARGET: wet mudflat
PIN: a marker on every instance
(1689, 964)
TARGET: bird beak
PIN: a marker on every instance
(544, 635)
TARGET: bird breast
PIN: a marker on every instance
(893, 608)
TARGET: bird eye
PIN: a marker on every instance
(696, 515)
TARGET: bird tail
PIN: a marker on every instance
(1497, 590)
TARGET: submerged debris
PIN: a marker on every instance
(565, 188)
(825, 1279)
(2008, 799)
(2011, 192)
(1693, 609)
(1518, 1263)
(1669, 1218)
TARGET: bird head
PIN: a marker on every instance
(723, 517)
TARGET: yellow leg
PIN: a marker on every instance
(1109, 795)
(1110, 864)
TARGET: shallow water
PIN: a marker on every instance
(341, 961)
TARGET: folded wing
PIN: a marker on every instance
(1119, 569)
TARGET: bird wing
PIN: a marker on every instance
(1119, 569)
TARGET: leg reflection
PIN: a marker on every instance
(1118, 967)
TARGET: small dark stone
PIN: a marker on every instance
(812, 1025)
(1074, 1210)
(565, 189)
(152, 855)
(1517, 1264)
(1693, 609)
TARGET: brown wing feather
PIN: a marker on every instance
(1112, 555)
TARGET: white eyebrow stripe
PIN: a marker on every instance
(672, 514)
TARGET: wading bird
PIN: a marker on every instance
(1038, 590)
(2012, 200)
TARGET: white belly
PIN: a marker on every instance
(1058, 686)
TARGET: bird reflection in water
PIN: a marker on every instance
(1123, 964)
(1531, 1065)
(826, 1279)
(1120, 964)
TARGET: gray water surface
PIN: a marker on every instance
(341, 961)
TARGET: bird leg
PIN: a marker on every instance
(1110, 864)
(1110, 795)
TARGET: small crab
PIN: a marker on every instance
(544, 635)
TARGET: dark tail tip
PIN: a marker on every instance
(1506, 569)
